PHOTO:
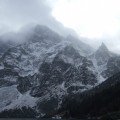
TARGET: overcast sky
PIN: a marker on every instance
(96, 20)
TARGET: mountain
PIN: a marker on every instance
(84, 49)
(46, 68)
(102, 55)
(5, 45)
(100, 102)
(105, 62)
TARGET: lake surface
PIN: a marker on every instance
(36, 119)
(28, 119)
(32, 119)
(25, 119)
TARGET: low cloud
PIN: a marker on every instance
(18, 13)
(15, 14)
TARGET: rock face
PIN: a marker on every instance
(48, 67)
(4, 45)
(105, 62)
(102, 55)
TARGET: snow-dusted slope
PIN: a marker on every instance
(83, 49)
(11, 98)
(47, 67)
(8, 95)
(105, 62)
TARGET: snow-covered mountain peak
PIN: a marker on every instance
(104, 62)
(102, 54)
(40, 33)
(103, 48)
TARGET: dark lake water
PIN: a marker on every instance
(34, 119)
(29, 119)
(24, 119)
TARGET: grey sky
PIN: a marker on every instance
(15, 14)
(18, 13)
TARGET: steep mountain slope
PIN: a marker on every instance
(5, 45)
(105, 62)
(102, 54)
(84, 49)
(97, 102)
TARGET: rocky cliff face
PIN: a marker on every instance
(48, 67)
(105, 62)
